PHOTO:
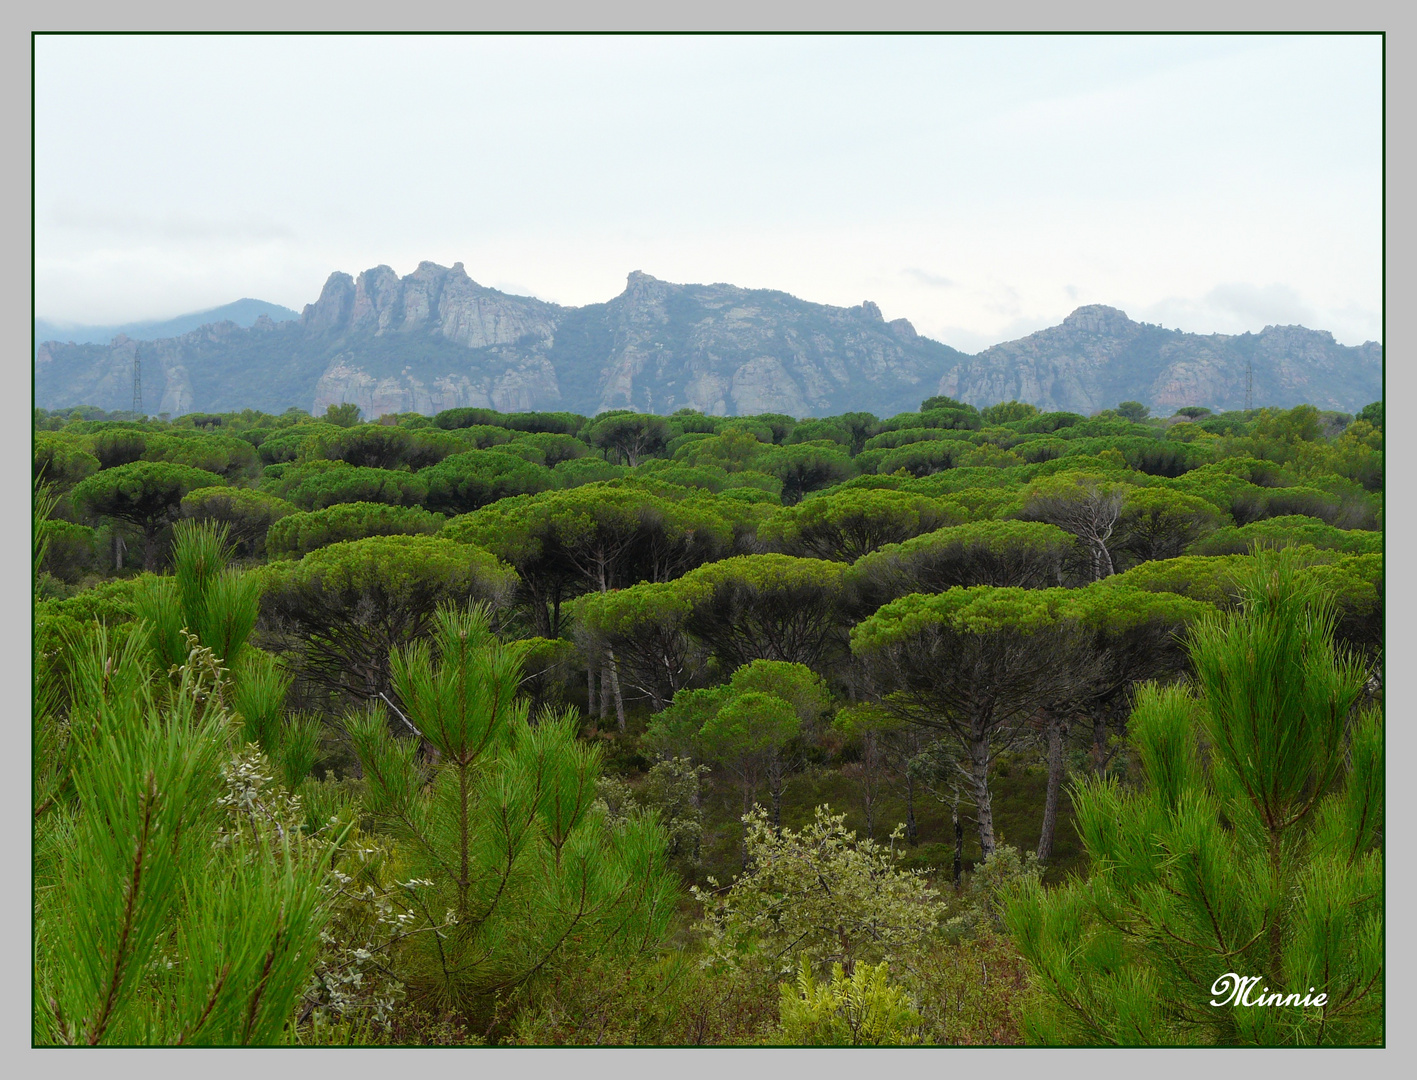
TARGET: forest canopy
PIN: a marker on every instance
(942, 728)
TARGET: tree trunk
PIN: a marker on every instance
(959, 840)
(118, 549)
(590, 688)
(150, 550)
(1101, 560)
(749, 789)
(775, 789)
(604, 691)
(613, 668)
(540, 614)
(1099, 743)
(1057, 729)
(696, 801)
(1276, 929)
(979, 775)
(870, 781)
(912, 833)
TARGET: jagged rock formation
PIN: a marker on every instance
(1098, 357)
(435, 339)
(726, 351)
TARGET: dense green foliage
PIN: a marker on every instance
(526, 728)
(1260, 857)
(343, 607)
(501, 833)
(299, 534)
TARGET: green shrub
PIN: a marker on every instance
(301, 533)
(862, 1009)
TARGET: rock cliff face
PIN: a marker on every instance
(391, 338)
(432, 299)
(1098, 357)
(435, 339)
(730, 351)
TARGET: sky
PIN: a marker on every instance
(981, 186)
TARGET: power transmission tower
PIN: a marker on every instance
(137, 384)
(1249, 385)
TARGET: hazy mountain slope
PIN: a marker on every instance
(1098, 357)
(726, 351)
(435, 339)
(243, 313)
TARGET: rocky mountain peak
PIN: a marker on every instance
(1098, 357)
(1291, 334)
(1098, 319)
(435, 339)
(436, 299)
(646, 291)
(377, 298)
(638, 283)
(903, 329)
(331, 311)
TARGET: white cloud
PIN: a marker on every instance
(1013, 178)
(1238, 307)
(924, 277)
(85, 223)
(1234, 307)
(972, 341)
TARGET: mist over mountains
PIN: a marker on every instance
(242, 312)
(435, 339)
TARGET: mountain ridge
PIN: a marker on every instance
(243, 312)
(1097, 353)
(436, 339)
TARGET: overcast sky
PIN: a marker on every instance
(981, 187)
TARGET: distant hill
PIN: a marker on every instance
(243, 313)
(435, 339)
(1098, 357)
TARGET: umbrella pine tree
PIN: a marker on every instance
(1251, 851)
(507, 861)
